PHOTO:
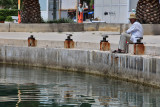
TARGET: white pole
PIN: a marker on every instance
(77, 11)
(59, 9)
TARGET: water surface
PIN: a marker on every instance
(35, 87)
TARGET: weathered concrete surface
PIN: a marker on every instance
(102, 27)
(62, 27)
(143, 69)
(149, 29)
(4, 27)
(149, 49)
(83, 40)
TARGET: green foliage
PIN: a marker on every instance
(90, 3)
(63, 20)
(42, 21)
(7, 4)
(9, 19)
(2, 18)
(8, 12)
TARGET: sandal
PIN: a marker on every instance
(120, 51)
(115, 51)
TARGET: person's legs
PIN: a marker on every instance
(122, 43)
(128, 37)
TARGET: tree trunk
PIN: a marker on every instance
(30, 12)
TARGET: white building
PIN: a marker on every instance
(114, 11)
(48, 13)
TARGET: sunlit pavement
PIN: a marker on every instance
(93, 36)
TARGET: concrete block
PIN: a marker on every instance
(102, 27)
(4, 27)
(136, 49)
(151, 29)
(109, 27)
(91, 26)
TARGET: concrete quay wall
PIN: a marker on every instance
(141, 69)
(149, 29)
(149, 49)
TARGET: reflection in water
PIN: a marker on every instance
(34, 87)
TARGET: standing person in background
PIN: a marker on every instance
(131, 35)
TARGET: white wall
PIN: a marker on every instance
(69, 4)
(44, 15)
(118, 10)
(47, 10)
(44, 9)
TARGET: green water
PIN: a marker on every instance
(35, 87)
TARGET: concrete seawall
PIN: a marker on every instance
(143, 69)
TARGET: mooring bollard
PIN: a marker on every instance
(104, 44)
(31, 41)
(69, 43)
(137, 48)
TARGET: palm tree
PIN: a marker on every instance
(148, 11)
(30, 12)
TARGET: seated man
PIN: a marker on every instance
(131, 35)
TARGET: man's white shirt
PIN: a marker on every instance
(136, 30)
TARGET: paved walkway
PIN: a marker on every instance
(93, 37)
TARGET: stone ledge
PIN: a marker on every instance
(149, 29)
(153, 50)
